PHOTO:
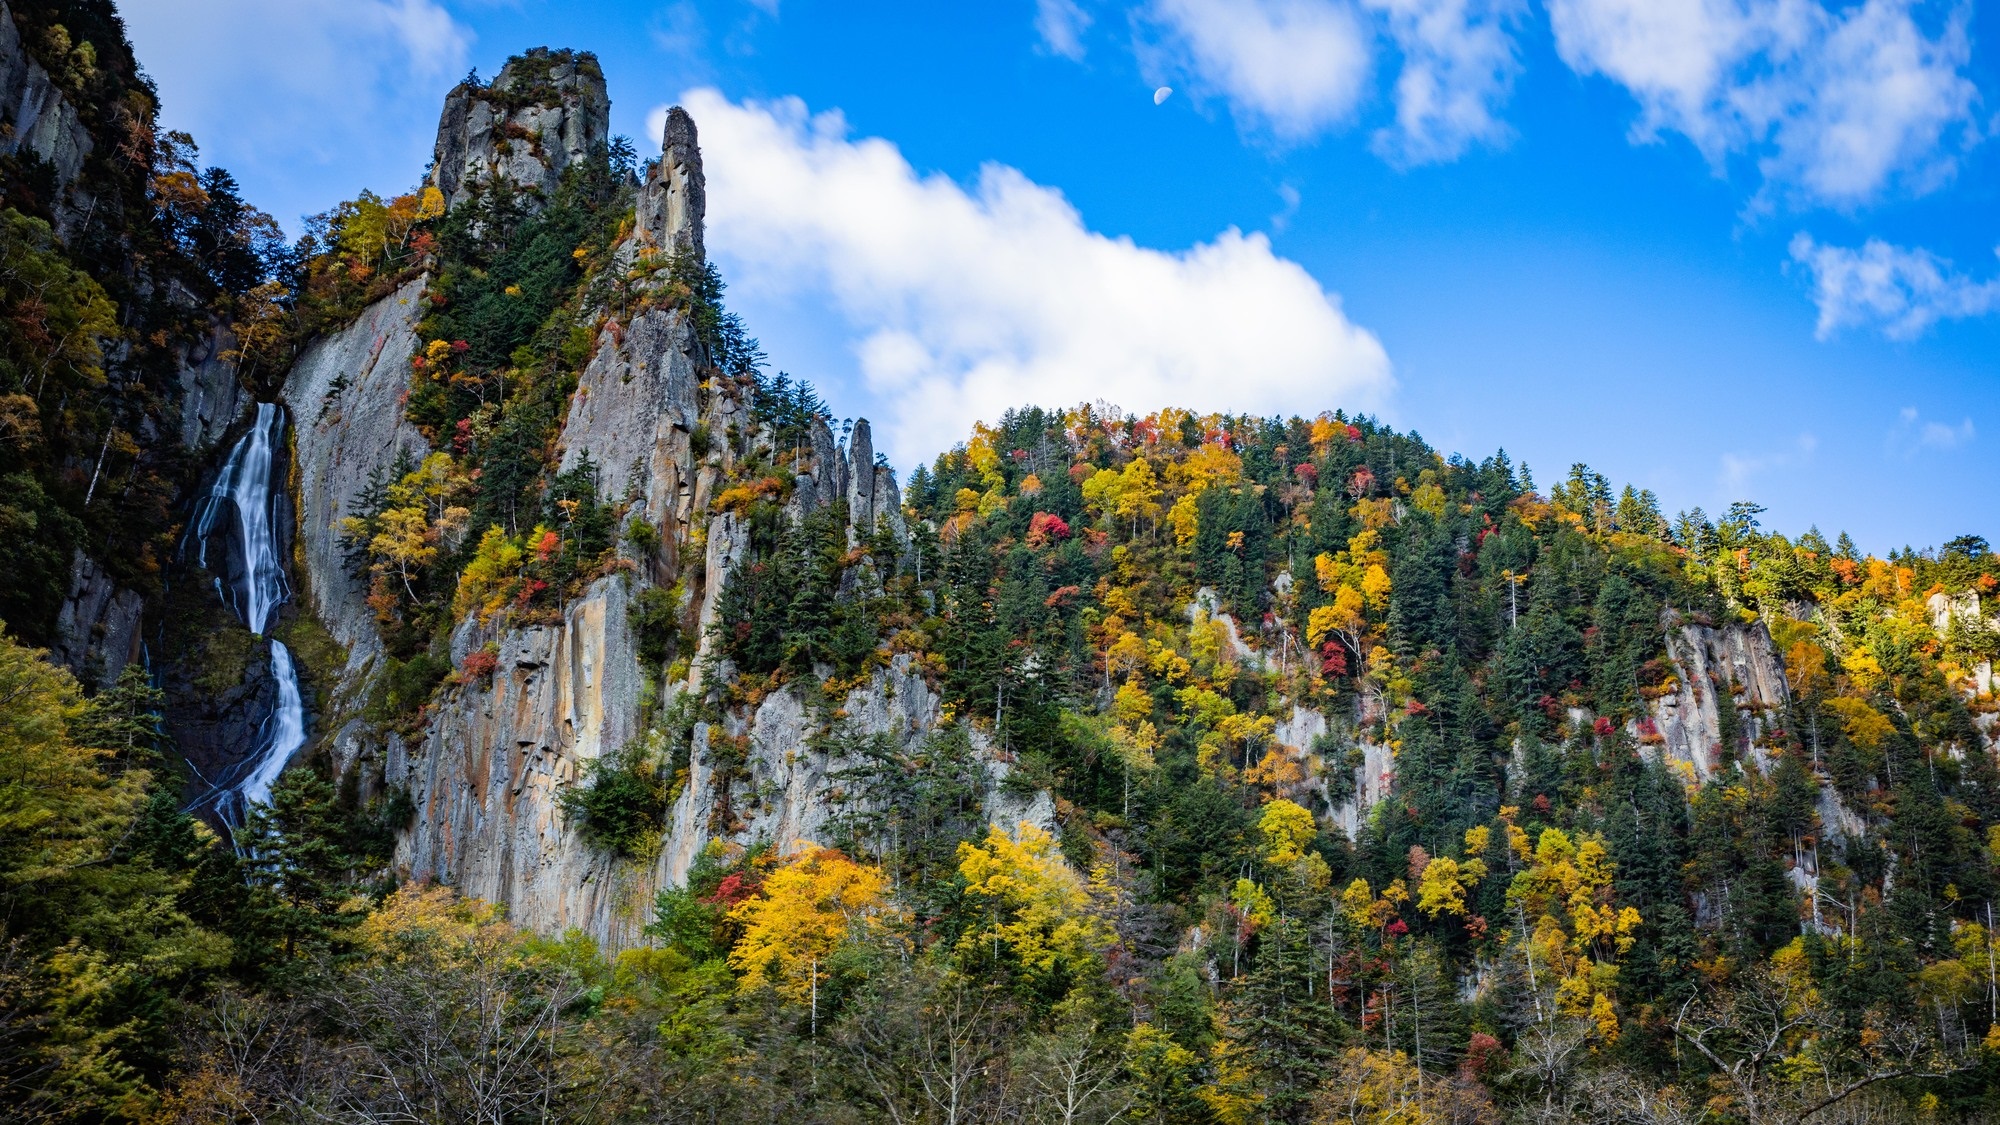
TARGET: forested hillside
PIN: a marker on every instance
(666, 756)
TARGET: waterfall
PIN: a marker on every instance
(256, 580)
(253, 585)
(284, 732)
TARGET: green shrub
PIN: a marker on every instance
(619, 804)
(655, 620)
(404, 687)
(643, 536)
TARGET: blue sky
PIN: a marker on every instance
(1723, 249)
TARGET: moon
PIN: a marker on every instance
(1162, 94)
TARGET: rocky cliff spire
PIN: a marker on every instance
(546, 110)
(675, 198)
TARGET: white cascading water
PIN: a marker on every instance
(244, 487)
(256, 586)
(284, 732)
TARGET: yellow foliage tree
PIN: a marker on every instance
(1131, 705)
(1371, 1087)
(1126, 654)
(1209, 465)
(491, 577)
(805, 910)
(1185, 518)
(1138, 493)
(1284, 829)
(1102, 489)
(1366, 909)
(1037, 907)
(1564, 896)
(1429, 499)
(1442, 887)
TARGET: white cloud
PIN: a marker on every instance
(1458, 66)
(1836, 105)
(1289, 67)
(1912, 434)
(1296, 68)
(1740, 469)
(961, 301)
(1061, 24)
(290, 94)
(1900, 290)
(1281, 219)
(679, 30)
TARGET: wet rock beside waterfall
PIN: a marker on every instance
(97, 629)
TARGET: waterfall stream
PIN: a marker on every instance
(252, 584)
(256, 580)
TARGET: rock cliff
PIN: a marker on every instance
(1734, 664)
(38, 121)
(665, 430)
(1712, 663)
(97, 629)
(345, 398)
(212, 397)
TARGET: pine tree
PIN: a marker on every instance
(1280, 1013)
(299, 875)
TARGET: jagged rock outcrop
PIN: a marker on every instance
(1736, 662)
(1366, 785)
(545, 111)
(212, 398)
(1963, 611)
(785, 791)
(673, 204)
(97, 629)
(666, 431)
(36, 119)
(345, 397)
(635, 414)
(636, 407)
(1715, 663)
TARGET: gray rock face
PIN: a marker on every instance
(97, 629)
(1734, 663)
(634, 415)
(1962, 611)
(494, 759)
(211, 397)
(728, 539)
(859, 474)
(787, 797)
(819, 481)
(488, 777)
(674, 202)
(889, 503)
(545, 111)
(345, 396)
(1372, 779)
(38, 119)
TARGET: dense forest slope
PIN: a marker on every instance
(656, 752)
